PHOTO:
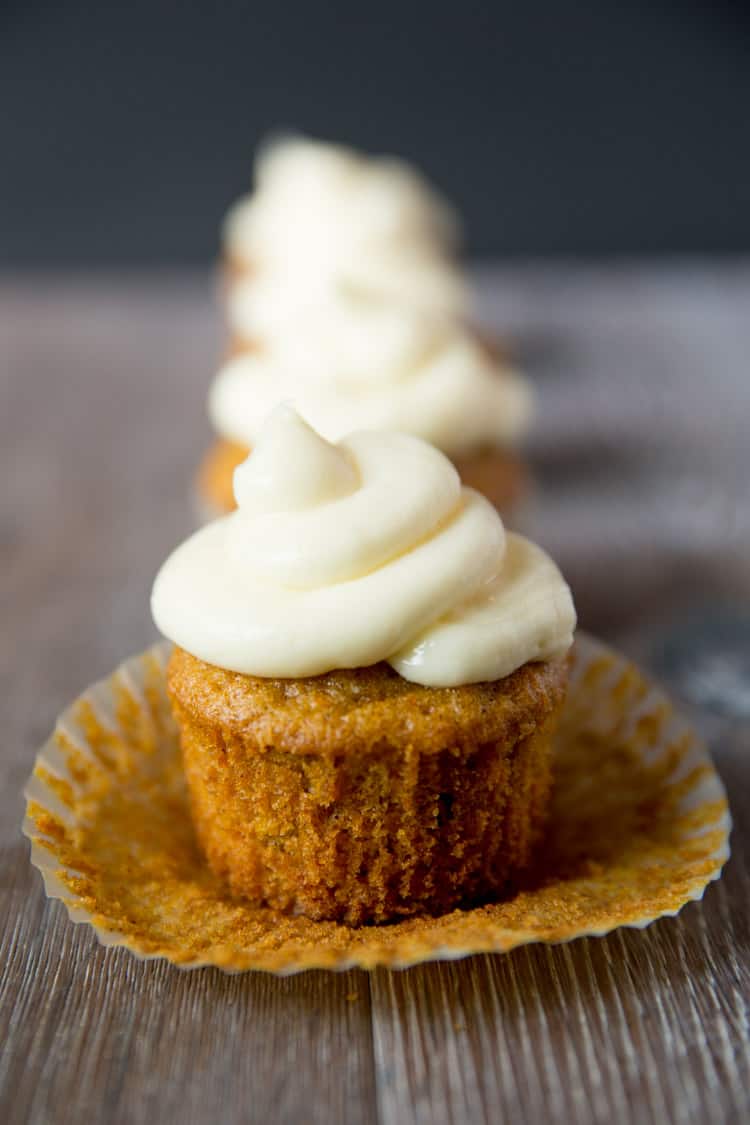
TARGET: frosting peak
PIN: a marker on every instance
(341, 556)
(272, 481)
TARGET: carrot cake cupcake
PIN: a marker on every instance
(344, 297)
(355, 362)
(366, 676)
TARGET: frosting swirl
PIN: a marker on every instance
(341, 556)
(321, 212)
(385, 371)
(355, 309)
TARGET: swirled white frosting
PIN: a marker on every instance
(385, 370)
(322, 213)
(355, 309)
(340, 556)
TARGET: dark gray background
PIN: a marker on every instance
(617, 126)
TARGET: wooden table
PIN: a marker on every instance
(642, 472)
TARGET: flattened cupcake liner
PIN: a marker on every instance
(639, 826)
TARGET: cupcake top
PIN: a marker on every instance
(342, 556)
(321, 213)
(354, 361)
(353, 308)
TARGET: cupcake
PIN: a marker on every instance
(322, 214)
(366, 676)
(345, 299)
(361, 363)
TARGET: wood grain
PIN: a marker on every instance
(102, 384)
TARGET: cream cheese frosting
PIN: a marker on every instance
(343, 555)
(383, 370)
(321, 212)
(354, 309)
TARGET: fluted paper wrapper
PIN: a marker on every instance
(639, 826)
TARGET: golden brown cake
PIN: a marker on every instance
(360, 796)
(498, 474)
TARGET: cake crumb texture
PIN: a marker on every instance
(359, 796)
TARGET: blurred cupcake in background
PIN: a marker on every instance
(344, 297)
(323, 215)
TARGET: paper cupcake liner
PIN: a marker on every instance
(639, 826)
